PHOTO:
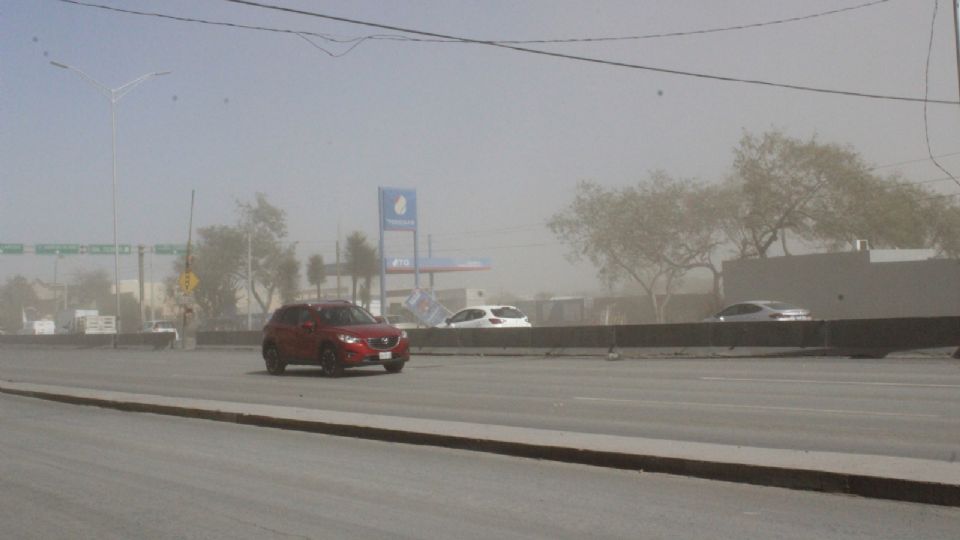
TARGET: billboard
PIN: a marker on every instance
(398, 209)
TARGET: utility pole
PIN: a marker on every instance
(430, 256)
(153, 312)
(956, 39)
(250, 281)
(338, 261)
(140, 249)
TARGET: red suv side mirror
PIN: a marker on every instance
(309, 326)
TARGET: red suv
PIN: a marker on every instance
(333, 334)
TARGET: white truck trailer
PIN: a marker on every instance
(85, 321)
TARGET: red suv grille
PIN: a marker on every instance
(384, 343)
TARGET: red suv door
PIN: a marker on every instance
(304, 337)
(288, 333)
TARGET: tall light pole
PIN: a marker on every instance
(114, 95)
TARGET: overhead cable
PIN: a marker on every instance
(512, 46)
(926, 92)
(590, 59)
(358, 40)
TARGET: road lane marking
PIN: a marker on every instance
(811, 381)
(755, 407)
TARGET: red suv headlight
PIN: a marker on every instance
(347, 338)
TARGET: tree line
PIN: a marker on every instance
(782, 192)
(220, 261)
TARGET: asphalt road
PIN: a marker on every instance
(84, 472)
(907, 407)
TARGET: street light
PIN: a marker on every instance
(114, 95)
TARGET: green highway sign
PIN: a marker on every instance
(57, 249)
(107, 249)
(11, 249)
(169, 249)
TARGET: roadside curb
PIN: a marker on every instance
(881, 477)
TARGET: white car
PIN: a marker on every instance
(399, 321)
(761, 310)
(488, 317)
(161, 326)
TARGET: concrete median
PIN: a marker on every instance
(150, 340)
(883, 477)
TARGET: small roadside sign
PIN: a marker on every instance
(188, 281)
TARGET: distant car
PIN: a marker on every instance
(761, 310)
(161, 326)
(398, 321)
(333, 334)
(497, 316)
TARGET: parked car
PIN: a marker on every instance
(488, 317)
(162, 326)
(760, 310)
(334, 335)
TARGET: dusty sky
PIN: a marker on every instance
(493, 140)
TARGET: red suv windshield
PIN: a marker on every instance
(345, 316)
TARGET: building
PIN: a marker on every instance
(852, 285)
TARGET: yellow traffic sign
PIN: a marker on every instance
(188, 281)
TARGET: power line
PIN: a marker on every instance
(594, 60)
(926, 92)
(512, 45)
(358, 40)
(920, 160)
(698, 32)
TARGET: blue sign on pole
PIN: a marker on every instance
(398, 212)
(398, 208)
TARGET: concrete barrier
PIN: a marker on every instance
(893, 334)
(794, 334)
(866, 337)
(238, 338)
(872, 337)
(153, 340)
